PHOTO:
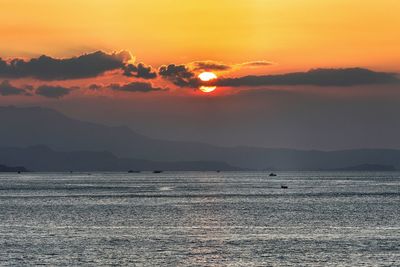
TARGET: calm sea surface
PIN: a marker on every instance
(200, 219)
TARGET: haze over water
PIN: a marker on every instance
(200, 219)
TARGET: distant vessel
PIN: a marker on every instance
(157, 171)
(132, 171)
(272, 174)
(4, 168)
(284, 187)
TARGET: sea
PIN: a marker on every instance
(200, 219)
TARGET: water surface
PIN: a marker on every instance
(200, 219)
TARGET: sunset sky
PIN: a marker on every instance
(306, 66)
(296, 35)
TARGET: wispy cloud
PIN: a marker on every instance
(208, 65)
(255, 64)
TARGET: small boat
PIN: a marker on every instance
(132, 171)
(284, 187)
(157, 171)
(272, 174)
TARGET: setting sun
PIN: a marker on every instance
(207, 89)
(207, 76)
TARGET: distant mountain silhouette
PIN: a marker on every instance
(4, 168)
(23, 127)
(42, 158)
(369, 167)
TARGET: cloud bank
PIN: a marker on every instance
(49, 91)
(92, 65)
(317, 77)
(48, 68)
(57, 92)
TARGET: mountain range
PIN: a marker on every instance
(42, 158)
(43, 139)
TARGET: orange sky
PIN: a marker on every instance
(295, 34)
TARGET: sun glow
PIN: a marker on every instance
(207, 76)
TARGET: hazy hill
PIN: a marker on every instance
(42, 158)
(369, 167)
(22, 127)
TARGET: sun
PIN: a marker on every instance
(206, 77)
(207, 89)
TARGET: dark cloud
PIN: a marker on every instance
(95, 87)
(179, 75)
(142, 87)
(7, 89)
(209, 66)
(52, 91)
(317, 77)
(139, 71)
(48, 68)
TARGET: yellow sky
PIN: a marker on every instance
(295, 34)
